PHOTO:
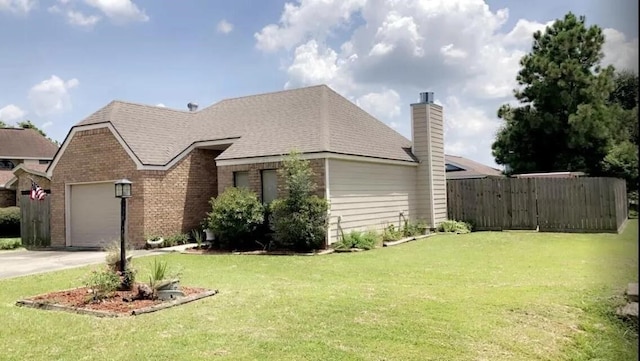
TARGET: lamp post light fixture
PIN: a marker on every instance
(123, 191)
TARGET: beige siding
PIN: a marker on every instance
(369, 195)
(428, 147)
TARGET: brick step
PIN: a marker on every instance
(632, 292)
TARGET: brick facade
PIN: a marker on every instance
(163, 202)
(177, 200)
(7, 198)
(225, 176)
(95, 156)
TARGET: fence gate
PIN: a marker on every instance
(34, 221)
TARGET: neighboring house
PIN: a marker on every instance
(21, 149)
(463, 168)
(551, 175)
(178, 160)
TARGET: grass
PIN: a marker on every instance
(479, 296)
(10, 243)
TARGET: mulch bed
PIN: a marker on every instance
(210, 251)
(77, 300)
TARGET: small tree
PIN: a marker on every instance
(235, 216)
(299, 221)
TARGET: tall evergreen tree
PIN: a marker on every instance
(564, 121)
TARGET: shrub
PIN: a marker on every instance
(176, 239)
(113, 254)
(452, 226)
(102, 283)
(412, 229)
(235, 216)
(355, 239)
(10, 222)
(299, 221)
(10, 243)
(197, 236)
(391, 233)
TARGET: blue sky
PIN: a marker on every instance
(65, 59)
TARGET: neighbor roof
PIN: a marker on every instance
(19, 143)
(5, 176)
(312, 119)
(471, 169)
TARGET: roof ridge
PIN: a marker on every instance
(271, 93)
(117, 101)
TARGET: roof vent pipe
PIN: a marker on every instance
(192, 107)
(426, 97)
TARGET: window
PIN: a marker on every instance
(269, 185)
(452, 168)
(6, 164)
(241, 179)
(44, 161)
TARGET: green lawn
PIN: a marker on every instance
(482, 296)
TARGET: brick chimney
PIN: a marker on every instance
(427, 135)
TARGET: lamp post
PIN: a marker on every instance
(123, 191)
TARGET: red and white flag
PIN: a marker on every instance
(37, 192)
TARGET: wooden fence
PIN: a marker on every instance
(549, 205)
(34, 221)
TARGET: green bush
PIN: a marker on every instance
(234, 218)
(10, 243)
(102, 283)
(412, 229)
(391, 233)
(299, 221)
(355, 239)
(452, 226)
(10, 222)
(176, 239)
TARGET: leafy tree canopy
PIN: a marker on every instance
(574, 115)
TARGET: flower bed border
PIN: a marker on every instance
(84, 311)
(405, 240)
(264, 253)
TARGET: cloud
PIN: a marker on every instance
(119, 11)
(11, 113)
(79, 19)
(620, 52)
(224, 27)
(52, 95)
(381, 53)
(307, 18)
(161, 105)
(17, 6)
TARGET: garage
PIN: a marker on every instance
(94, 214)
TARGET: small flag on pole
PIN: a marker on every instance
(36, 192)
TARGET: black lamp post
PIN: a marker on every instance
(123, 191)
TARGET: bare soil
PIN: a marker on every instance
(80, 298)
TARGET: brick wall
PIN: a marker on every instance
(178, 199)
(92, 156)
(225, 176)
(24, 181)
(7, 198)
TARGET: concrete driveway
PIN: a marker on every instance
(23, 262)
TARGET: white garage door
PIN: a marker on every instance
(95, 215)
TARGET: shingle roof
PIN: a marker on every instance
(5, 176)
(19, 143)
(472, 169)
(312, 119)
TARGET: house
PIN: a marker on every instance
(463, 168)
(177, 160)
(24, 149)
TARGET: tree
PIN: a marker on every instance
(26, 124)
(3, 124)
(565, 121)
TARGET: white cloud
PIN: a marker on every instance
(383, 105)
(459, 49)
(79, 19)
(17, 6)
(620, 52)
(119, 11)
(52, 95)
(11, 113)
(224, 27)
(308, 17)
(161, 105)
